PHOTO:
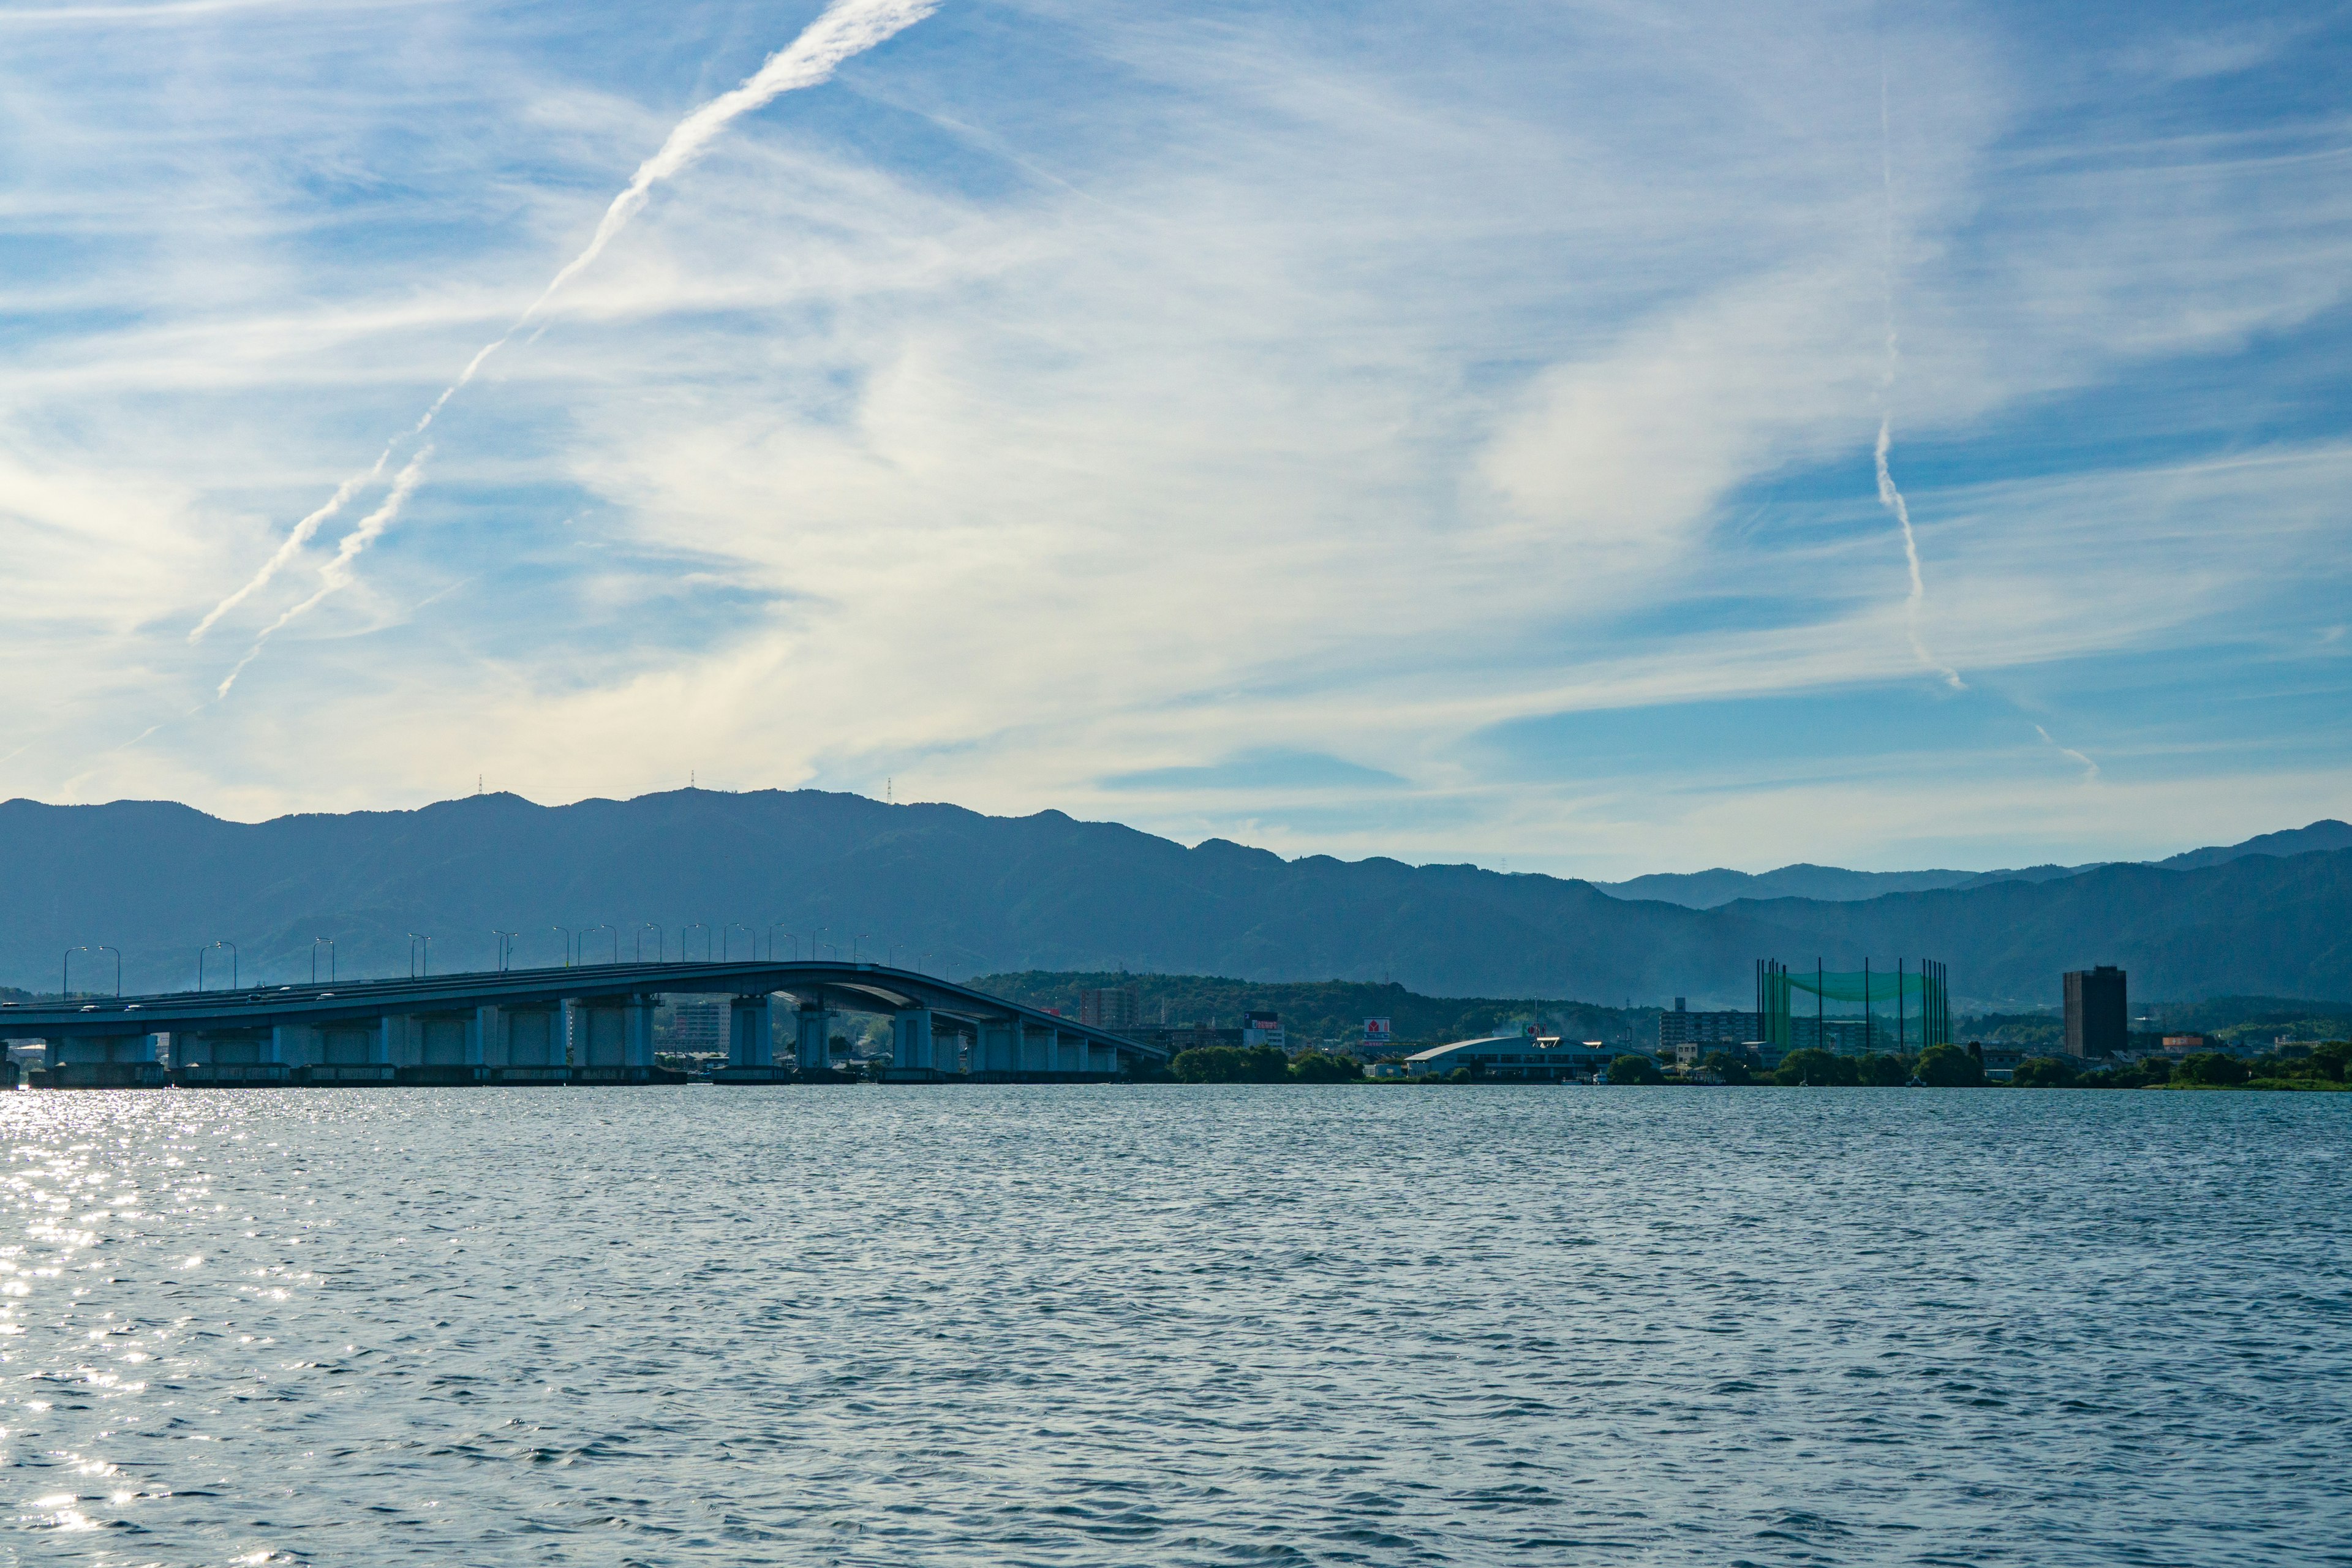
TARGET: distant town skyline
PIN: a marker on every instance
(1563, 440)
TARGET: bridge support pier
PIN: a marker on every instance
(910, 1040)
(751, 1021)
(617, 1033)
(997, 1047)
(528, 1038)
(812, 1041)
(292, 1044)
(102, 1061)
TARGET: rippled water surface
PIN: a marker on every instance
(1172, 1325)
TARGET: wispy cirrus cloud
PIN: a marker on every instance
(1068, 401)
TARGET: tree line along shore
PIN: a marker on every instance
(1939, 1066)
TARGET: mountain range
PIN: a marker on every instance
(962, 893)
(1706, 890)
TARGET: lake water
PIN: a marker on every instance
(1177, 1325)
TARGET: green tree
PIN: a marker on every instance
(1948, 1066)
(1315, 1067)
(1881, 1071)
(1731, 1068)
(1634, 1069)
(1208, 1063)
(2210, 1069)
(1822, 1070)
(2043, 1072)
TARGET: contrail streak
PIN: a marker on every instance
(336, 573)
(1889, 495)
(1892, 500)
(846, 27)
(2090, 768)
(293, 544)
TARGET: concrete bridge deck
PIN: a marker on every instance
(585, 1022)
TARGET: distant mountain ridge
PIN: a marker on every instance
(966, 894)
(1711, 888)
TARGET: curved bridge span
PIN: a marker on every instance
(585, 1024)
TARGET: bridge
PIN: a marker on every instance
(579, 1023)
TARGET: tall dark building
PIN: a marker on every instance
(1111, 1007)
(2098, 1019)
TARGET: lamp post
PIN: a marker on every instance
(725, 949)
(890, 956)
(661, 942)
(414, 940)
(117, 965)
(505, 946)
(608, 931)
(774, 927)
(702, 926)
(232, 963)
(567, 943)
(314, 959)
(64, 973)
(854, 941)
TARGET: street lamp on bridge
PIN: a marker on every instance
(725, 949)
(704, 927)
(774, 927)
(854, 941)
(413, 938)
(505, 946)
(65, 969)
(314, 959)
(608, 931)
(661, 942)
(567, 943)
(232, 963)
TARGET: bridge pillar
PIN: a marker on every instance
(482, 1032)
(997, 1046)
(910, 1039)
(389, 1047)
(637, 1013)
(292, 1044)
(812, 1040)
(751, 1021)
(86, 1048)
(446, 1039)
(1102, 1057)
(529, 1037)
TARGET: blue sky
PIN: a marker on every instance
(1352, 430)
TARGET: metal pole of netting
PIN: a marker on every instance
(1865, 1005)
(1902, 1017)
(1820, 1018)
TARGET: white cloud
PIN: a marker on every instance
(1240, 382)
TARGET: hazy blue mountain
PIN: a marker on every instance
(2044, 873)
(1709, 889)
(970, 894)
(2324, 833)
(1705, 890)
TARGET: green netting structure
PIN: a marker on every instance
(1900, 1010)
